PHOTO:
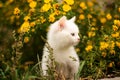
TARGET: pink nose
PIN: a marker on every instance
(78, 39)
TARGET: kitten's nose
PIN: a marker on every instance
(78, 39)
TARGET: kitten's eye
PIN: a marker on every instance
(73, 34)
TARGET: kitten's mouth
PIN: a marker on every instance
(76, 43)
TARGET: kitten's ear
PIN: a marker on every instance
(73, 19)
(62, 22)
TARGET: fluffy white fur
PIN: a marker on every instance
(62, 37)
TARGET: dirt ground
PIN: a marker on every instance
(116, 78)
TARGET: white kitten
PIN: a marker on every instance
(62, 37)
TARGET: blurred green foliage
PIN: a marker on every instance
(24, 22)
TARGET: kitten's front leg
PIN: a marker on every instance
(74, 69)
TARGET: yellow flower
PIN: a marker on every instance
(115, 35)
(93, 29)
(118, 44)
(16, 11)
(83, 5)
(103, 20)
(26, 39)
(104, 54)
(33, 30)
(119, 9)
(89, 16)
(108, 16)
(103, 45)
(66, 7)
(69, 2)
(26, 18)
(57, 12)
(111, 64)
(47, 1)
(112, 52)
(117, 22)
(89, 48)
(81, 17)
(112, 44)
(42, 19)
(31, 11)
(106, 37)
(51, 18)
(56, 6)
(90, 4)
(32, 24)
(25, 27)
(1, 4)
(32, 4)
(91, 34)
(46, 7)
(77, 49)
(115, 28)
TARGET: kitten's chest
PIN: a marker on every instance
(64, 56)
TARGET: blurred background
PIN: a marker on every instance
(23, 23)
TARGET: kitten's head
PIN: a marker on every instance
(64, 33)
